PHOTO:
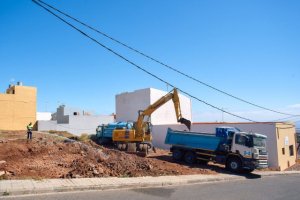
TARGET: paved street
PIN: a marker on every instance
(267, 188)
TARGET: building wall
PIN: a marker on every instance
(18, 107)
(77, 124)
(62, 117)
(43, 116)
(274, 144)
(159, 133)
(128, 104)
(285, 135)
(82, 122)
(166, 113)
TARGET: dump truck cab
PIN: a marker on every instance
(251, 150)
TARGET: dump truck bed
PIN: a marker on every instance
(193, 140)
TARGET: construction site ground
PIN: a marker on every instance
(52, 156)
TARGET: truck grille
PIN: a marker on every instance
(262, 160)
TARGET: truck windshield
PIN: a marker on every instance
(259, 142)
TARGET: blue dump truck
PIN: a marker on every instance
(238, 151)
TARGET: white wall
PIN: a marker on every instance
(128, 104)
(166, 113)
(77, 124)
(159, 133)
(43, 116)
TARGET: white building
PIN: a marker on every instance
(129, 103)
(43, 116)
(75, 121)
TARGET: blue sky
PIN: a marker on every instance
(248, 48)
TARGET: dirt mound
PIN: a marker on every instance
(49, 156)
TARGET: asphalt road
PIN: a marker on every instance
(267, 188)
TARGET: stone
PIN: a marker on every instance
(2, 162)
(2, 173)
(95, 172)
(77, 176)
(100, 170)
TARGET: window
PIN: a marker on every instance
(291, 147)
(240, 139)
(283, 151)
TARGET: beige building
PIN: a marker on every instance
(17, 107)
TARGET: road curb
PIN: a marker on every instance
(23, 187)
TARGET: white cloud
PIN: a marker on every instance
(294, 106)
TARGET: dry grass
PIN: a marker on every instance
(84, 137)
(62, 133)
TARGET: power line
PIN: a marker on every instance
(162, 63)
(144, 70)
(280, 119)
(137, 66)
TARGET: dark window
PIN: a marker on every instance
(291, 147)
(283, 151)
(240, 139)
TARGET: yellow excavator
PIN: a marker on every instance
(138, 138)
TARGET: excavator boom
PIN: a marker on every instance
(153, 107)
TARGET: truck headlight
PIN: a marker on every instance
(255, 153)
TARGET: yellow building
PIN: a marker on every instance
(17, 107)
(286, 145)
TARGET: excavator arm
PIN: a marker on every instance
(153, 107)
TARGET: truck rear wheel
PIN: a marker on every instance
(190, 157)
(177, 154)
(234, 164)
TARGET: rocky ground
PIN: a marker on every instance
(52, 156)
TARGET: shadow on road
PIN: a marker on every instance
(210, 166)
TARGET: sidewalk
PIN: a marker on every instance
(19, 187)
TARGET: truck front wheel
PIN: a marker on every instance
(190, 157)
(233, 164)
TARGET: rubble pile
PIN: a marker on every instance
(48, 156)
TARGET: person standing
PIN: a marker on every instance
(29, 131)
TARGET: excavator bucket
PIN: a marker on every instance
(186, 122)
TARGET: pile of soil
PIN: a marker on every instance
(50, 156)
